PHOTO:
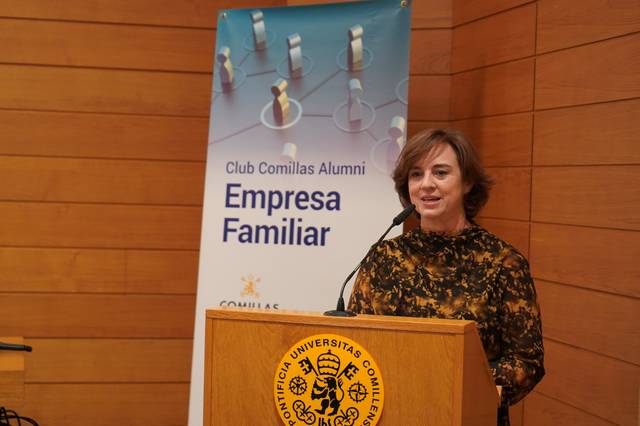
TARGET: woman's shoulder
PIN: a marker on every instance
(475, 241)
(394, 244)
(398, 246)
(410, 240)
(499, 249)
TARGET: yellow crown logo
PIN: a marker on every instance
(328, 364)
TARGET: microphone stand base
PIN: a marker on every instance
(336, 313)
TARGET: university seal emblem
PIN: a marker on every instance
(328, 380)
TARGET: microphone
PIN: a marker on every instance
(402, 216)
(14, 347)
(340, 310)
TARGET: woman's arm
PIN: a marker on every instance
(521, 364)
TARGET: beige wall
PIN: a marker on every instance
(103, 122)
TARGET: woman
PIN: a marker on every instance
(450, 267)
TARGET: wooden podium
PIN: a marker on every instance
(434, 371)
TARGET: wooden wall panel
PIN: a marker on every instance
(161, 272)
(565, 23)
(601, 259)
(99, 226)
(194, 13)
(62, 270)
(567, 114)
(431, 51)
(503, 140)
(98, 271)
(540, 410)
(499, 38)
(600, 322)
(605, 196)
(101, 181)
(106, 45)
(563, 79)
(577, 135)
(498, 89)
(425, 13)
(82, 315)
(513, 232)
(64, 134)
(108, 360)
(429, 97)
(431, 14)
(470, 10)
(414, 127)
(599, 385)
(162, 404)
(510, 195)
(98, 90)
(311, 2)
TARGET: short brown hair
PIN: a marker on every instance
(472, 171)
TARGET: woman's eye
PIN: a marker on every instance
(440, 173)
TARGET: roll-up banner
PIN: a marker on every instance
(308, 115)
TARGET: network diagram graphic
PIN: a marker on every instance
(292, 86)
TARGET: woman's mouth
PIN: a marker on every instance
(430, 201)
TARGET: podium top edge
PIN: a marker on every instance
(430, 325)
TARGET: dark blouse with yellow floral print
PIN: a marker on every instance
(472, 275)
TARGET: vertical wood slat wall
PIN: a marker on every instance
(104, 109)
(550, 90)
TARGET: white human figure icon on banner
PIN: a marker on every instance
(280, 101)
(295, 55)
(355, 48)
(289, 151)
(225, 68)
(397, 129)
(354, 106)
(259, 30)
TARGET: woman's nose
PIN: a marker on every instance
(427, 181)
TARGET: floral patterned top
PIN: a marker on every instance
(472, 275)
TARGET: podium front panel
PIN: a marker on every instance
(421, 365)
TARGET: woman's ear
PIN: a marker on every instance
(467, 188)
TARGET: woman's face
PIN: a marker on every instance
(437, 189)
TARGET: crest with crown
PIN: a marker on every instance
(328, 364)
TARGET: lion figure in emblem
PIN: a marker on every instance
(327, 387)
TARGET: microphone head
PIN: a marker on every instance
(403, 215)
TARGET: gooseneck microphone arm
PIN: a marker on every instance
(340, 310)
